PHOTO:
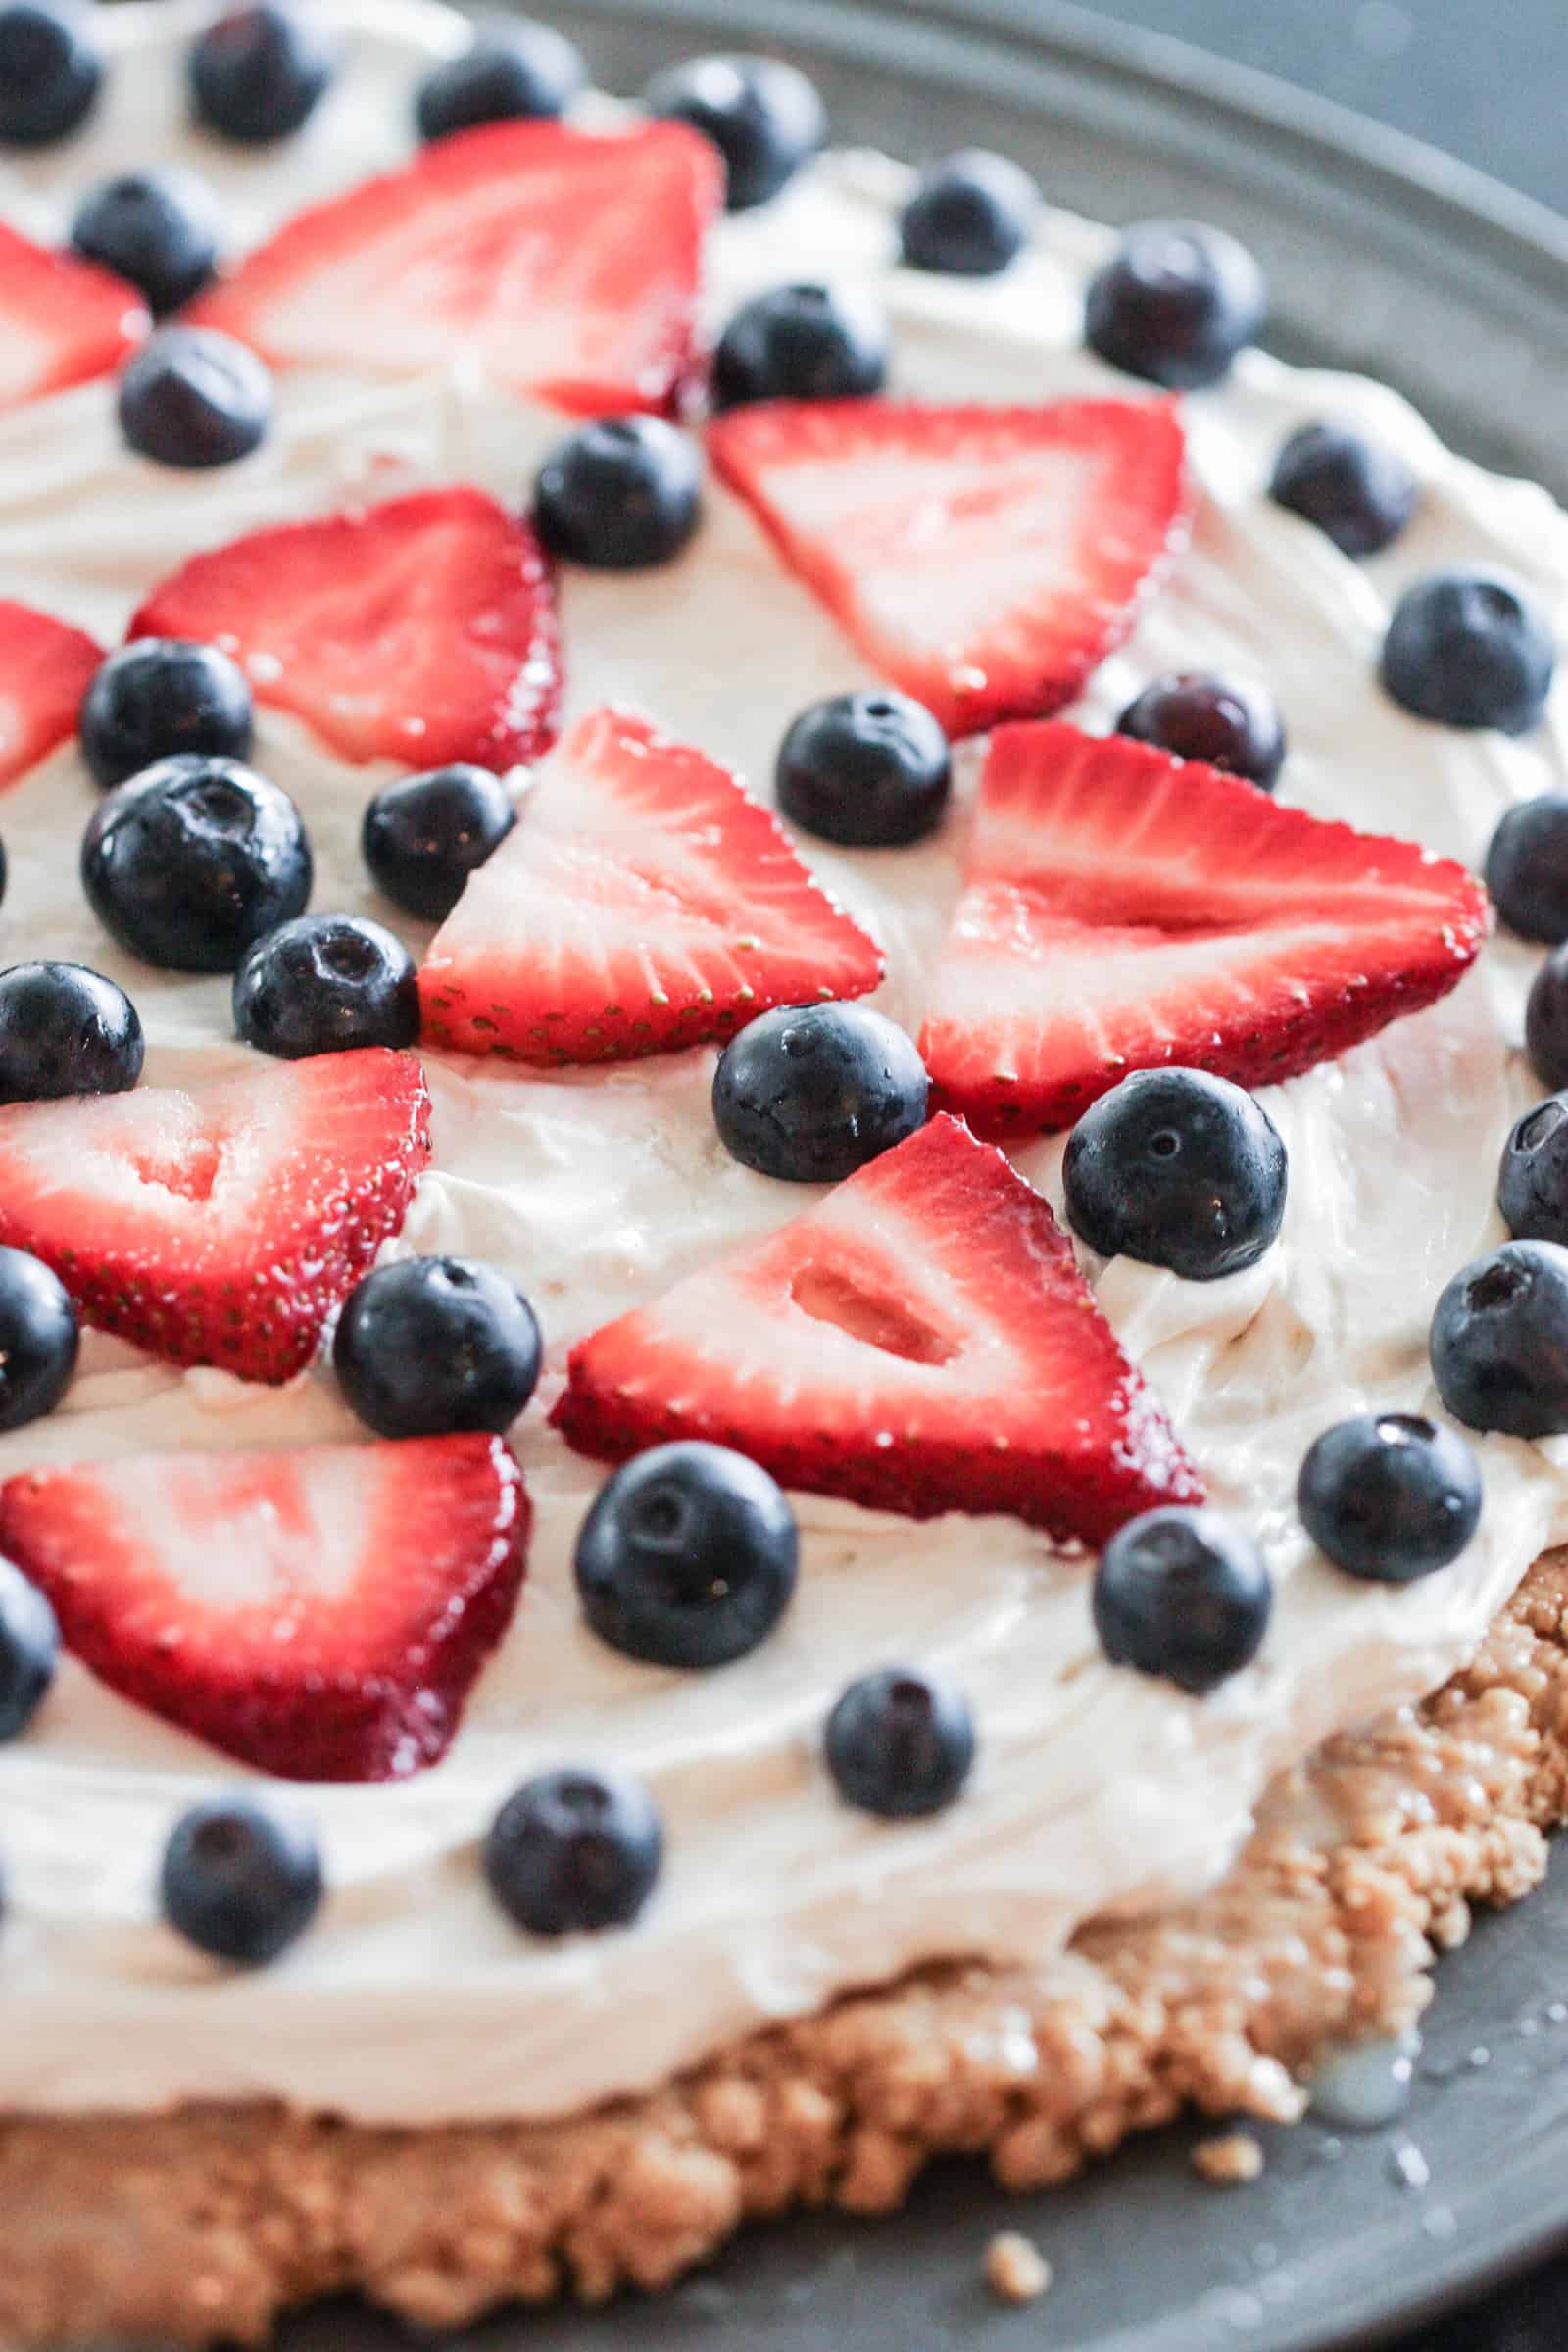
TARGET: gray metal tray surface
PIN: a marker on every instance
(1388, 258)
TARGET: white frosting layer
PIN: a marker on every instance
(413, 1998)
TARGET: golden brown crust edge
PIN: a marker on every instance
(178, 2228)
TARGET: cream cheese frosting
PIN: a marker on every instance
(413, 1999)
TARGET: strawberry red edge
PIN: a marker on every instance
(686, 360)
(90, 657)
(1304, 1043)
(106, 353)
(389, 1737)
(919, 1479)
(499, 748)
(912, 1482)
(112, 1297)
(962, 715)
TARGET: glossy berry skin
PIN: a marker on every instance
(900, 1744)
(162, 694)
(1532, 1183)
(1527, 868)
(64, 1030)
(1547, 1020)
(240, 1881)
(191, 862)
(1500, 1341)
(621, 495)
(517, 71)
(1390, 1497)
(1179, 1169)
(1359, 493)
(1175, 303)
(326, 984)
(430, 1346)
(872, 770)
(30, 1650)
(764, 118)
(809, 1092)
(1185, 1594)
(802, 342)
(193, 398)
(970, 215)
(50, 71)
(423, 836)
(39, 1340)
(1197, 716)
(258, 74)
(575, 1852)
(1469, 649)
(687, 1557)
(157, 228)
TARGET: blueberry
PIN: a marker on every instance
(621, 495)
(1527, 868)
(871, 770)
(162, 694)
(1178, 1170)
(326, 983)
(575, 1850)
(30, 1650)
(50, 70)
(687, 1557)
(1359, 493)
(764, 118)
(969, 217)
(39, 1339)
(1469, 649)
(1221, 721)
(423, 836)
(157, 228)
(900, 1744)
(1532, 1185)
(193, 398)
(1500, 1341)
(191, 862)
(258, 74)
(516, 69)
(1175, 303)
(1390, 1497)
(64, 1030)
(1184, 1595)
(809, 1092)
(802, 343)
(427, 1346)
(1547, 1020)
(240, 1879)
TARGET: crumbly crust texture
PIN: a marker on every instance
(181, 2228)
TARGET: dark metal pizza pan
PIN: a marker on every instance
(1384, 257)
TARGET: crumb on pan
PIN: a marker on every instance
(1016, 2272)
(1229, 2162)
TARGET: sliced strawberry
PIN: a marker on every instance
(422, 629)
(642, 903)
(1124, 909)
(220, 1227)
(922, 1341)
(322, 1614)
(45, 668)
(564, 264)
(985, 559)
(62, 321)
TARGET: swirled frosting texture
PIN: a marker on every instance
(413, 1999)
